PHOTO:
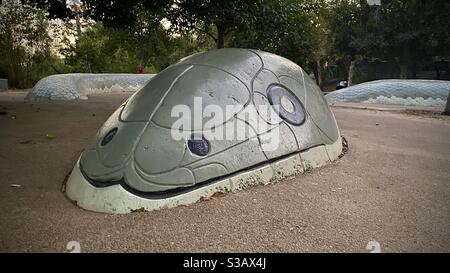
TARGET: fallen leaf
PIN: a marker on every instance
(50, 136)
(218, 194)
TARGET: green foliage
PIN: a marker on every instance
(100, 50)
(144, 41)
(25, 54)
(117, 36)
(344, 18)
(28, 51)
(215, 18)
(103, 49)
(292, 28)
(403, 31)
(417, 26)
(119, 14)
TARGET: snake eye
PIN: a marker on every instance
(198, 145)
(289, 107)
(109, 136)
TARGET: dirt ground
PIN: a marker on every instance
(393, 186)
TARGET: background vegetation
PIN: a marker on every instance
(328, 38)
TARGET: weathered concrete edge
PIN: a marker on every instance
(382, 107)
(116, 199)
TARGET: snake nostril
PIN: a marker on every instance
(198, 145)
(109, 136)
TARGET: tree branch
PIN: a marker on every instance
(207, 33)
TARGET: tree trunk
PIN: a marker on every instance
(447, 106)
(412, 59)
(351, 73)
(404, 62)
(220, 37)
(436, 67)
(319, 78)
(414, 69)
(78, 24)
(77, 20)
(316, 75)
(403, 71)
(315, 72)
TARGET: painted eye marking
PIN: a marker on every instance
(198, 145)
(287, 104)
(289, 107)
(109, 136)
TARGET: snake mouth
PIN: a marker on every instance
(180, 190)
(118, 197)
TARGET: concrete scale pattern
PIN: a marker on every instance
(79, 85)
(135, 163)
(396, 92)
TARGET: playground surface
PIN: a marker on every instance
(391, 187)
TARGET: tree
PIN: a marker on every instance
(414, 30)
(121, 35)
(215, 18)
(309, 32)
(402, 31)
(115, 14)
(294, 29)
(123, 14)
(55, 8)
(102, 49)
(25, 46)
(345, 21)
